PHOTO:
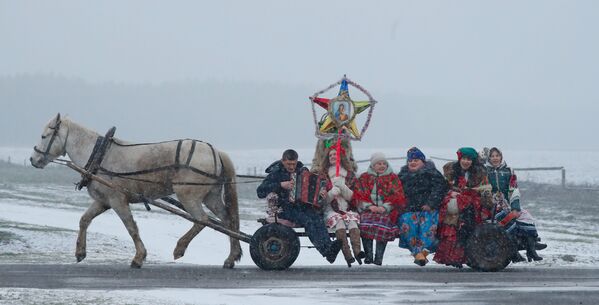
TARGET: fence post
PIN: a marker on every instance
(563, 177)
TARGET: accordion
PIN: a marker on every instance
(307, 189)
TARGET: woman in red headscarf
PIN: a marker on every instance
(380, 198)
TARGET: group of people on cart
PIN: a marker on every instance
(429, 212)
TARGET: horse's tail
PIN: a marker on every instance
(231, 200)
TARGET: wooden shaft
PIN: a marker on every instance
(338, 152)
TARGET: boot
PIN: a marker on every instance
(380, 251)
(420, 258)
(333, 250)
(516, 258)
(531, 252)
(425, 254)
(539, 245)
(367, 242)
(354, 238)
(342, 236)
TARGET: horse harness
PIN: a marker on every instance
(93, 165)
(96, 157)
(52, 138)
(176, 166)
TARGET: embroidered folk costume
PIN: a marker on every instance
(380, 199)
(461, 209)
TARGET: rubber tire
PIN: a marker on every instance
(274, 247)
(489, 248)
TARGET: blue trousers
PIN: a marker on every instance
(313, 223)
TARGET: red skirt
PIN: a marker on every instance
(378, 226)
(449, 251)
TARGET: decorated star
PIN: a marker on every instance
(341, 111)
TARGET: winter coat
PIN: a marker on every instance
(340, 207)
(389, 191)
(426, 186)
(346, 202)
(458, 220)
(272, 183)
(502, 179)
(470, 184)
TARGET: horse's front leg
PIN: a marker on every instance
(121, 207)
(184, 241)
(94, 210)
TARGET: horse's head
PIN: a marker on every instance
(52, 144)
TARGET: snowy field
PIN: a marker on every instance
(39, 221)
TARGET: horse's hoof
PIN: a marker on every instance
(228, 265)
(135, 265)
(80, 257)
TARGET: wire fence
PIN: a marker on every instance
(252, 172)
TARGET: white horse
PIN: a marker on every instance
(193, 170)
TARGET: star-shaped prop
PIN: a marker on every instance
(341, 111)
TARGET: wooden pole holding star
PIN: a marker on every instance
(339, 122)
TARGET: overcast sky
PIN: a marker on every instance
(526, 72)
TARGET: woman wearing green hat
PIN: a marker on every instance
(461, 209)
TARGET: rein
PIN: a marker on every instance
(67, 162)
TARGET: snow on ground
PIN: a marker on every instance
(39, 224)
(394, 292)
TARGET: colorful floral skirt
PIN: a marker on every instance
(378, 226)
(418, 231)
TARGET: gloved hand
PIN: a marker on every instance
(335, 191)
(338, 181)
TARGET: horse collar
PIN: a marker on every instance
(96, 157)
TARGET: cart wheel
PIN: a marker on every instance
(274, 247)
(489, 248)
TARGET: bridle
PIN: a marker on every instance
(47, 153)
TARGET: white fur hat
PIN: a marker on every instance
(376, 157)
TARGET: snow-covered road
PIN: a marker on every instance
(192, 284)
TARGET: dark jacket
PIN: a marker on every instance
(272, 183)
(427, 186)
(503, 180)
